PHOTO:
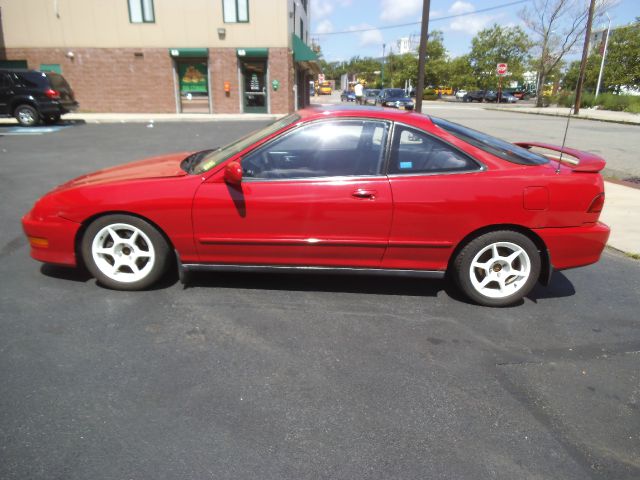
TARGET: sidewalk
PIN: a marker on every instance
(622, 214)
(159, 117)
(585, 113)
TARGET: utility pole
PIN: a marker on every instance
(422, 53)
(585, 54)
(382, 67)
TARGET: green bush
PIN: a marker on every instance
(605, 101)
(429, 94)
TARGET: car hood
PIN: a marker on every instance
(163, 166)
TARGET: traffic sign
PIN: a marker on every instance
(501, 69)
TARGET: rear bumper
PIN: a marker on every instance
(52, 239)
(572, 247)
(57, 107)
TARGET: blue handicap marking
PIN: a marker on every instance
(17, 130)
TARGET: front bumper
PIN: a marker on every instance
(572, 247)
(52, 239)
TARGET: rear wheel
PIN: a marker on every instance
(26, 115)
(497, 269)
(125, 252)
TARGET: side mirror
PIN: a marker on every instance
(233, 173)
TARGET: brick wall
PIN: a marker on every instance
(281, 69)
(116, 80)
(111, 79)
(223, 65)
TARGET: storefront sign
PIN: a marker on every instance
(193, 77)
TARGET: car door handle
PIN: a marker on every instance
(363, 193)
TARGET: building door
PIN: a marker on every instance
(193, 83)
(254, 88)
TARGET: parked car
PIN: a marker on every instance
(394, 97)
(347, 96)
(474, 96)
(370, 95)
(460, 94)
(379, 192)
(505, 97)
(32, 96)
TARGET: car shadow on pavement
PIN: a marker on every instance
(73, 274)
(375, 285)
(559, 287)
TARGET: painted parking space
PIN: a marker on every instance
(18, 130)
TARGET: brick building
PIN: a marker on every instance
(186, 56)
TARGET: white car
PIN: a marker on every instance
(460, 94)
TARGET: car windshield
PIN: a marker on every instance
(495, 146)
(217, 156)
(395, 93)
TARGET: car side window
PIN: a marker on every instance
(415, 151)
(321, 149)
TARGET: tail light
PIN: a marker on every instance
(596, 204)
(52, 94)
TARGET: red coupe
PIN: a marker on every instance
(351, 190)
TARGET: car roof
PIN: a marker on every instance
(334, 111)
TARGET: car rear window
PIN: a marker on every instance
(500, 148)
(34, 80)
(58, 82)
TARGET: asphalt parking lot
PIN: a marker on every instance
(277, 377)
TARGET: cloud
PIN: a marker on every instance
(470, 24)
(321, 9)
(324, 26)
(370, 37)
(459, 7)
(394, 10)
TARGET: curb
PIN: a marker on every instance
(563, 115)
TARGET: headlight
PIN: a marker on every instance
(389, 104)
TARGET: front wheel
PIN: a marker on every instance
(125, 252)
(497, 269)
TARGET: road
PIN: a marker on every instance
(617, 143)
(299, 377)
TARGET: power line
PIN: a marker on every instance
(448, 17)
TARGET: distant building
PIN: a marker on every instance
(408, 44)
(217, 56)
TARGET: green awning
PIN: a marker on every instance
(13, 64)
(189, 52)
(301, 51)
(253, 52)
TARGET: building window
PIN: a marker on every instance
(141, 11)
(235, 11)
(301, 29)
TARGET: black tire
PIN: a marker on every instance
(498, 269)
(143, 264)
(52, 119)
(26, 115)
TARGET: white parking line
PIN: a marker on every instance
(29, 130)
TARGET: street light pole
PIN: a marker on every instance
(422, 54)
(604, 56)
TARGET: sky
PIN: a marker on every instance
(331, 16)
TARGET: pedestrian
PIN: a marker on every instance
(358, 91)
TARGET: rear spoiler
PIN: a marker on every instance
(580, 161)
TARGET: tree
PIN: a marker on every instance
(461, 74)
(495, 45)
(400, 68)
(623, 59)
(558, 25)
(622, 65)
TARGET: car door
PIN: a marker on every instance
(434, 199)
(313, 196)
(6, 91)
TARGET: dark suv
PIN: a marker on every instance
(32, 96)
(475, 96)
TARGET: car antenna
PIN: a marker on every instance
(566, 130)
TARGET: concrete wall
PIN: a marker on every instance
(105, 24)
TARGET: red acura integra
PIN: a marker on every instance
(352, 190)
